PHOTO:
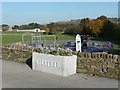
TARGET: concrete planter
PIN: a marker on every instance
(59, 65)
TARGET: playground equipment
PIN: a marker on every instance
(26, 38)
(32, 30)
(38, 39)
(84, 45)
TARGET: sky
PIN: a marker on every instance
(17, 13)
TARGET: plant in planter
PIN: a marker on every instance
(54, 51)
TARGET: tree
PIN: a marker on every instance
(107, 29)
(85, 25)
(52, 28)
(47, 30)
(96, 27)
(5, 27)
(116, 32)
(33, 25)
(104, 18)
(15, 27)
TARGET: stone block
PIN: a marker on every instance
(115, 57)
(60, 65)
(82, 71)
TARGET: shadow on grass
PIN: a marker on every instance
(29, 62)
(115, 51)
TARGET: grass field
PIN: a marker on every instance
(12, 37)
(0, 38)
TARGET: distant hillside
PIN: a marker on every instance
(115, 20)
(77, 21)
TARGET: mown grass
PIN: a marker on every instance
(0, 39)
(12, 32)
(13, 37)
(6, 39)
(116, 49)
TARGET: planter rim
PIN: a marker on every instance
(54, 55)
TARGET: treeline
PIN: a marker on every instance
(28, 26)
(51, 28)
(4, 27)
(100, 27)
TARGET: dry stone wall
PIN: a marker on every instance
(96, 64)
(99, 64)
(16, 53)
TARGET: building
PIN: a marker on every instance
(31, 30)
(10, 29)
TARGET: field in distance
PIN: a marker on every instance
(13, 37)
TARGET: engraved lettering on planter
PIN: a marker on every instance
(42, 62)
(48, 64)
(45, 63)
(51, 64)
(55, 64)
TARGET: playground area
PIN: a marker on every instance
(62, 40)
(13, 37)
(92, 46)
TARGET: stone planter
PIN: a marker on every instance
(59, 65)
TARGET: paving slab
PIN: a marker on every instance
(19, 75)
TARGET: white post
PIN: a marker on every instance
(78, 43)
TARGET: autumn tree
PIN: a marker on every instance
(96, 26)
(47, 30)
(52, 28)
(104, 18)
(85, 26)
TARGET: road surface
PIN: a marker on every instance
(18, 75)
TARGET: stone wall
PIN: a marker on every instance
(96, 64)
(99, 64)
(16, 53)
